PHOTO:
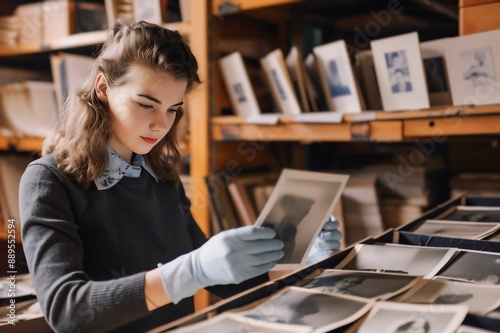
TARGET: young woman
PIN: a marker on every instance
(107, 231)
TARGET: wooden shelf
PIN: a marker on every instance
(366, 126)
(222, 7)
(21, 144)
(76, 40)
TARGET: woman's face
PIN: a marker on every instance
(143, 109)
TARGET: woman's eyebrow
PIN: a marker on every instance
(150, 98)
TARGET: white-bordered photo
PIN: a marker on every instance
(299, 205)
(238, 85)
(473, 266)
(396, 258)
(300, 306)
(232, 323)
(473, 214)
(337, 77)
(457, 229)
(275, 70)
(479, 298)
(400, 72)
(436, 73)
(392, 317)
(473, 68)
(373, 285)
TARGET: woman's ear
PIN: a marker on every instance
(101, 87)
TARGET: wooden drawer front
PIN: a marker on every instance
(439, 128)
(479, 18)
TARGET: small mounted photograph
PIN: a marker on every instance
(392, 317)
(232, 323)
(362, 284)
(400, 72)
(337, 77)
(473, 68)
(473, 266)
(436, 73)
(456, 229)
(480, 299)
(396, 258)
(298, 306)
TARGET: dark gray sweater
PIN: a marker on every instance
(88, 250)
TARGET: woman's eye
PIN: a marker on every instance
(172, 111)
(146, 106)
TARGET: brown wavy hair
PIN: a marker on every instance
(80, 139)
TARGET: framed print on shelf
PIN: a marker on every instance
(436, 73)
(337, 77)
(276, 73)
(238, 85)
(473, 67)
(400, 72)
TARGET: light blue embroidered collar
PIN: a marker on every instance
(118, 168)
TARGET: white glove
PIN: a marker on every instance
(232, 256)
(327, 242)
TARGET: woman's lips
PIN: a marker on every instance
(149, 140)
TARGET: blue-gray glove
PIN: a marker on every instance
(231, 256)
(327, 242)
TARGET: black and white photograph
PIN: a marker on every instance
(392, 317)
(232, 323)
(456, 229)
(299, 306)
(337, 77)
(400, 72)
(479, 298)
(477, 68)
(473, 266)
(436, 74)
(363, 284)
(472, 68)
(474, 214)
(298, 207)
(396, 258)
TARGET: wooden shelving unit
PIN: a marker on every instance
(366, 126)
